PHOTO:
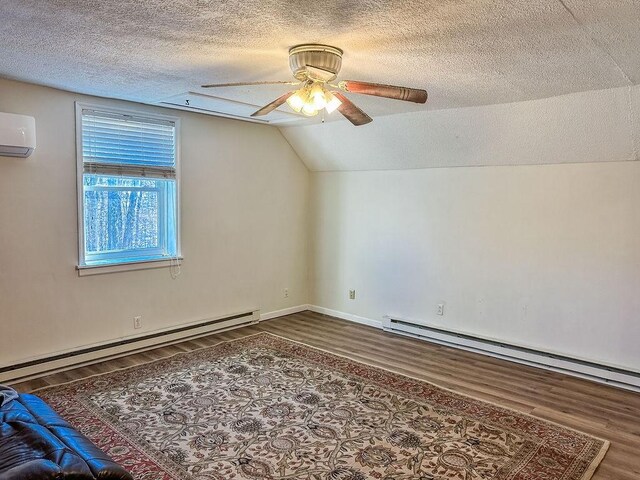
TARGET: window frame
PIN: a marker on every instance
(138, 264)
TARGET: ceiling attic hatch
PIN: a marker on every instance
(222, 107)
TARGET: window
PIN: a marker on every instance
(127, 186)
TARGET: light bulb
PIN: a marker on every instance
(296, 101)
(309, 109)
(333, 102)
(317, 96)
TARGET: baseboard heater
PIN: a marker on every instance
(38, 367)
(611, 375)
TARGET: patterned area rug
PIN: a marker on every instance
(267, 408)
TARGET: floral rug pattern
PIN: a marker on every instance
(266, 408)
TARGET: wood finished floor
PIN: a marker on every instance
(603, 411)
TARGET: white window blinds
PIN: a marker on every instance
(125, 145)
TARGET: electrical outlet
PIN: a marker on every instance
(137, 322)
(286, 293)
(352, 294)
(440, 309)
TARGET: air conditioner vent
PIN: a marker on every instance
(17, 135)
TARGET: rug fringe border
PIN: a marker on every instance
(596, 461)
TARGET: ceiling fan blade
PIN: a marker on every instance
(351, 112)
(242, 84)
(273, 105)
(318, 73)
(388, 91)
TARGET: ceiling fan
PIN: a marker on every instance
(315, 66)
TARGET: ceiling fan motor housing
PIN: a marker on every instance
(324, 57)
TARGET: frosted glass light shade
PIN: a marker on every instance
(318, 96)
(332, 102)
(309, 110)
(296, 102)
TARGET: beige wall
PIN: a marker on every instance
(244, 233)
(545, 256)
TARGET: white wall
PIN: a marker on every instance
(244, 233)
(546, 256)
(533, 239)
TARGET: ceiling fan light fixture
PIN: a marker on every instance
(309, 100)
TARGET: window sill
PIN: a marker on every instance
(85, 270)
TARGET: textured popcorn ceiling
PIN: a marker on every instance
(465, 53)
(475, 58)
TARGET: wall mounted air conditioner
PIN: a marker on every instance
(17, 135)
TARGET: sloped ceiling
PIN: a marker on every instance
(466, 53)
(595, 126)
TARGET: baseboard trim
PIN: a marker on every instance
(283, 312)
(595, 372)
(86, 355)
(346, 316)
